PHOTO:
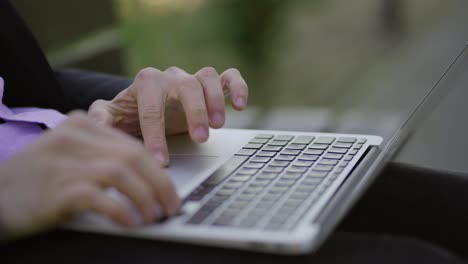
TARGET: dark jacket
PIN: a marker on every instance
(29, 79)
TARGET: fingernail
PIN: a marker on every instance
(158, 211)
(134, 219)
(217, 119)
(174, 206)
(200, 134)
(159, 156)
(240, 101)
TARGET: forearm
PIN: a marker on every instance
(82, 88)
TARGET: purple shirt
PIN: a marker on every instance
(22, 125)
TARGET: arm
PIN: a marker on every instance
(82, 88)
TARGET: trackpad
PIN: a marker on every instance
(184, 168)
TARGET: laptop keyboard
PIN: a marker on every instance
(272, 181)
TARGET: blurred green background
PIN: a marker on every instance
(311, 65)
(294, 52)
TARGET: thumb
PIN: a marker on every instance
(99, 112)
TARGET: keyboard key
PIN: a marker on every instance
(347, 140)
(284, 182)
(306, 140)
(272, 148)
(344, 163)
(273, 169)
(247, 171)
(259, 141)
(292, 204)
(225, 170)
(290, 152)
(328, 162)
(291, 176)
(337, 150)
(278, 189)
(348, 158)
(317, 174)
(198, 218)
(296, 146)
(296, 169)
(246, 152)
(302, 163)
(280, 143)
(333, 156)
(284, 137)
(357, 146)
(244, 197)
(342, 145)
(339, 170)
(324, 140)
(253, 165)
(318, 146)
(267, 176)
(270, 197)
(233, 185)
(307, 188)
(266, 154)
(260, 159)
(279, 163)
(322, 168)
(264, 205)
(362, 141)
(284, 158)
(267, 136)
(253, 146)
(223, 221)
(226, 192)
(273, 226)
(252, 190)
(353, 152)
(311, 181)
(239, 205)
(307, 157)
(241, 178)
(301, 196)
(313, 151)
(259, 183)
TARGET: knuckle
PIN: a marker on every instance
(173, 69)
(152, 113)
(233, 70)
(207, 72)
(132, 156)
(186, 81)
(148, 73)
(64, 137)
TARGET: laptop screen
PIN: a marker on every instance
(360, 71)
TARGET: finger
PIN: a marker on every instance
(133, 156)
(84, 197)
(190, 93)
(162, 186)
(214, 97)
(99, 113)
(151, 105)
(235, 86)
(113, 174)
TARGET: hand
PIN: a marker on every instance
(172, 102)
(66, 171)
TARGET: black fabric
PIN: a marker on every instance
(363, 237)
(29, 80)
(417, 202)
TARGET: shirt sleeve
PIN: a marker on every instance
(82, 88)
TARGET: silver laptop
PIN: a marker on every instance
(281, 191)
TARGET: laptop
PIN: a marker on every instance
(283, 192)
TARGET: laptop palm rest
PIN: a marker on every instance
(183, 169)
